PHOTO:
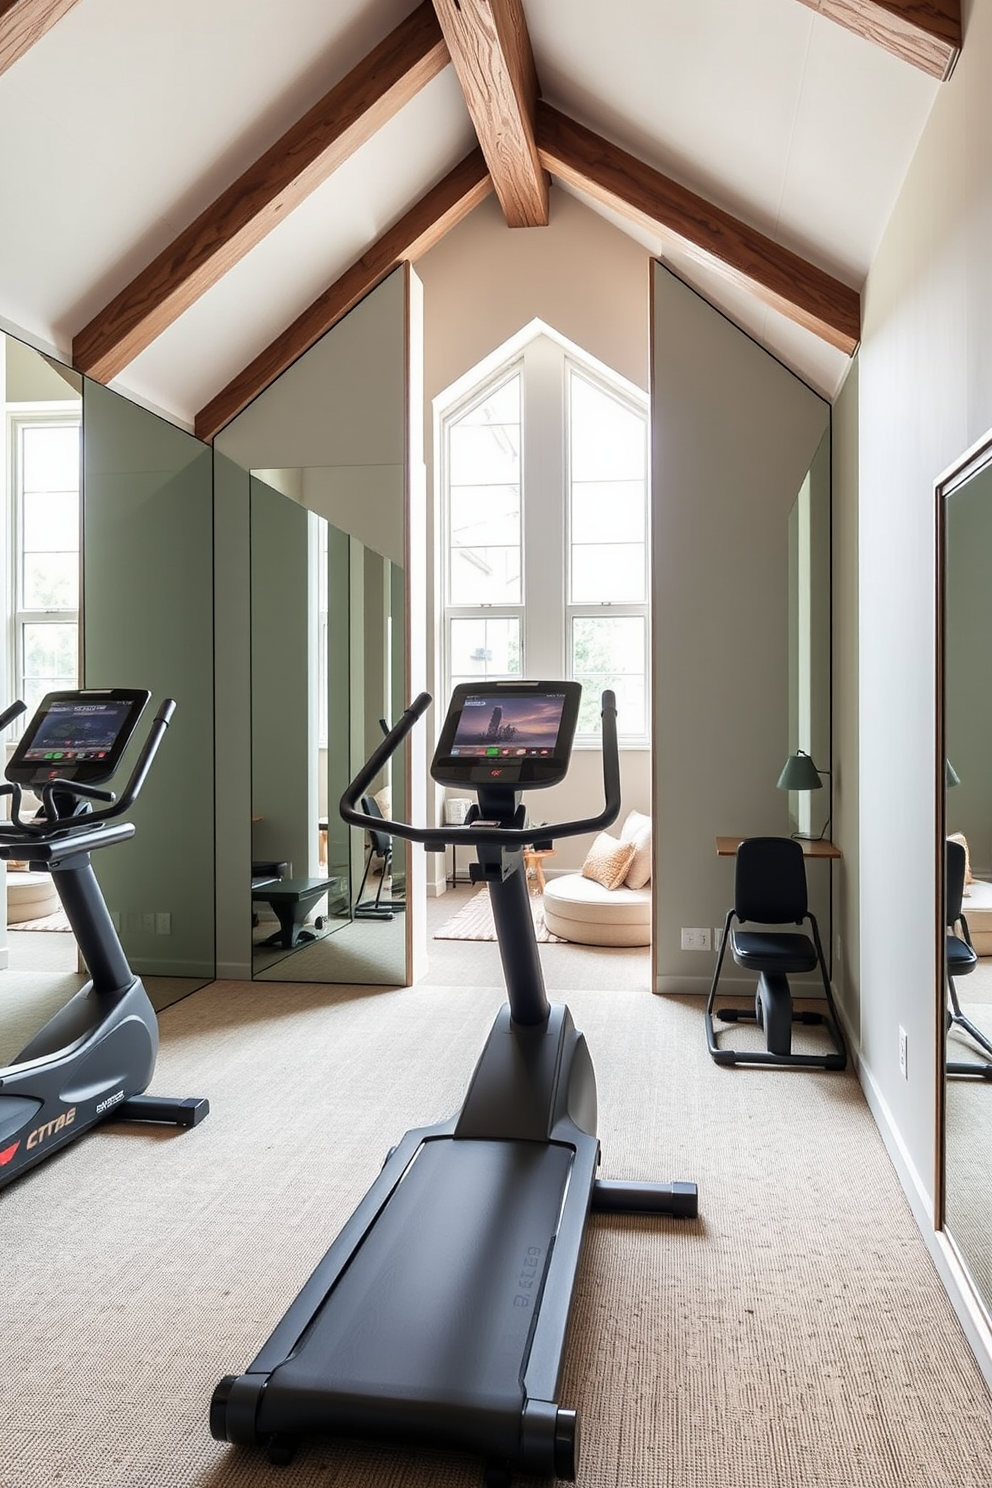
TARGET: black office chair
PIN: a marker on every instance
(960, 958)
(380, 846)
(770, 889)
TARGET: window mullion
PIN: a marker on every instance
(544, 508)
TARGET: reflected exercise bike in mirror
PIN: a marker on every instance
(438, 1317)
(94, 1059)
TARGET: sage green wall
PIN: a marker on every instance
(147, 604)
(733, 435)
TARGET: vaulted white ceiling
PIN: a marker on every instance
(123, 122)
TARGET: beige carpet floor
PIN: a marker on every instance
(795, 1335)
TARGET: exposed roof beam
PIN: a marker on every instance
(23, 22)
(926, 33)
(441, 209)
(491, 52)
(636, 191)
(344, 119)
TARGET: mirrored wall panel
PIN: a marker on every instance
(148, 622)
(965, 998)
(318, 462)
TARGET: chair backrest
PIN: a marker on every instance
(956, 861)
(770, 883)
(382, 843)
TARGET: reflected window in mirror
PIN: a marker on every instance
(41, 515)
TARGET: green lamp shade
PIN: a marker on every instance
(799, 774)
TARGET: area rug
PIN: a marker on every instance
(475, 921)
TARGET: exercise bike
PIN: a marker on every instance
(438, 1317)
(94, 1059)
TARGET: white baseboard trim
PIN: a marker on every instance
(971, 1313)
(233, 971)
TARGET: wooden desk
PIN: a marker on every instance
(822, 847)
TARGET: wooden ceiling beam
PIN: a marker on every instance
(927, 33)
(441, 209)
(23, 22)
(643, 195)
(492, 57)
(344, 119)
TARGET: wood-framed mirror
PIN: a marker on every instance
(963, 971)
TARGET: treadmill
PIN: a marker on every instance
(438, 1316)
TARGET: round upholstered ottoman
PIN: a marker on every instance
(581, 910)
(30, 896)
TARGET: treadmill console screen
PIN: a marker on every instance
(511, 733)
(77, 736)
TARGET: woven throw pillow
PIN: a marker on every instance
(637, 829)
(608, 861)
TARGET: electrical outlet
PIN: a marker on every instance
(148, 922)
(695, 940)
(903, 1054)
(163, 923)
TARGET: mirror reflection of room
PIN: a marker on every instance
(41, 480)
(967, 994)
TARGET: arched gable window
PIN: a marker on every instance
(544, 522)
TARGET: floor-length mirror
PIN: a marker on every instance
(964, 754)
(323, 461)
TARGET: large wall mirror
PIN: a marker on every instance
(964, 749)
(319, 463)
(107, 521)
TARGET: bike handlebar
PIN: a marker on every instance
(472, 835)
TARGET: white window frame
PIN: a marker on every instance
(20, 416)
(546, 362)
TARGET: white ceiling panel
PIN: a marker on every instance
(298, 260)
(117, 155)
(126, 120)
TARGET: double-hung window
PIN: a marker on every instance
(545, 521)
(44, 445)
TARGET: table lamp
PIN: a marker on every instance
(800, 774)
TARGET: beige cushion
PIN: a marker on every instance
(608, 861)
(30, 896)
(637, 829)
(581, 910)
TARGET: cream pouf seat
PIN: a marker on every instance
(30, 896)
(581, 910)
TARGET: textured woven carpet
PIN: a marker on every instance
(794, 1336)
(475, 921)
